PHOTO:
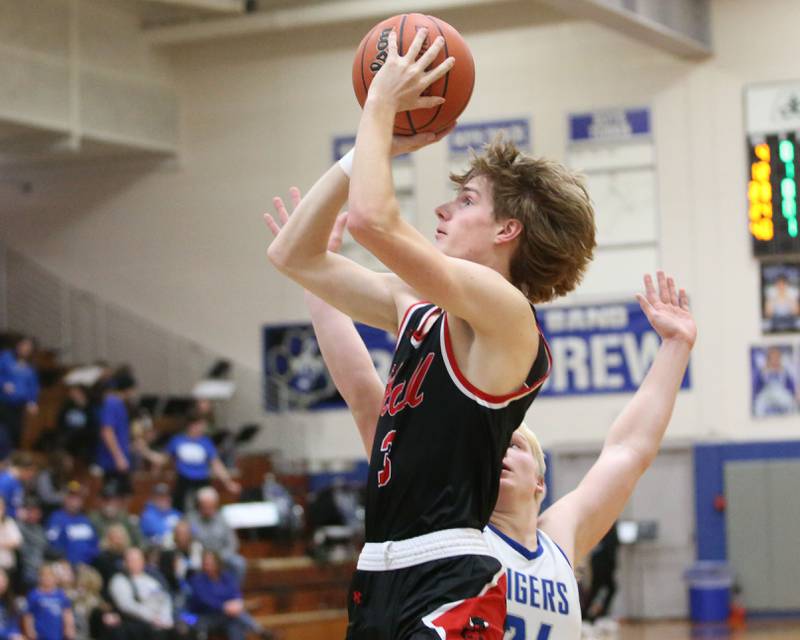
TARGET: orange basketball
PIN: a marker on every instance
(456, 86)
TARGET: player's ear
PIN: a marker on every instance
(541, 490)
(507, 230)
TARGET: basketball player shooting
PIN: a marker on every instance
(468, 363)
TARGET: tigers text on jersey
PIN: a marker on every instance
(541, 590)
(440, 441)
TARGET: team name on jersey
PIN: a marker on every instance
(399, 396)
(539, 593)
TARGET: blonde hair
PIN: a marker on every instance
(536, 447)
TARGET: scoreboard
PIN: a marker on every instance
(773, 165)
(772, 194)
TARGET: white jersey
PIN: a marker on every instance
(543, 599)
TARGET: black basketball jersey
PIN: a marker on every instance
(440, 441)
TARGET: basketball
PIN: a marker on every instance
(456, 86)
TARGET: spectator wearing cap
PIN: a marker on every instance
(113, 511)
(70, 531)
(19, 392)
(159, 517)
(13, 480)
(196, 462)
(34, 541)
(48, 610)
(214, 533)
(10, 540)
(114, 447)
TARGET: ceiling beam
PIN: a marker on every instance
(681, 27)
(278, 19)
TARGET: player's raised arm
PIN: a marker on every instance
(579, 520)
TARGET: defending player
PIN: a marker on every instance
(467, 364)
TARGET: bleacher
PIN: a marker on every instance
(284, 588)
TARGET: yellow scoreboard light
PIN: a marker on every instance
(772, 195)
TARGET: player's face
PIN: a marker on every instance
(520, 471)
(466, 226)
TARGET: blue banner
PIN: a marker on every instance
(609, 125)
(476, 135)
(341, 145)
(597, 349)
(295, 375)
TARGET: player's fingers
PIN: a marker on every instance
(683, 297)
(644, 304)
(427, 58)
(663, 290)
(281, 209)
(392, 43)
(295, 195)
(428, 102)
(416, 44)
(649, 289)
(673, 292)
(432, 76)
(273, 226)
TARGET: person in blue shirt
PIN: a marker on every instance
(9, 620)
(13, 480)
(196, 461)
(217, 601)
(19, 392)
(159, 518)
(70, 531)
(48, 612)
(114, 446)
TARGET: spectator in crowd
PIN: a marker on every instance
(95, 618)
(34, 542)
(70, 531)
(159, 517)
(51, 482)
(48, 613)
(10, 540)
(214, 533)
(110, 560)
(9, 620)
(217, 601)
(180, 560)
(603, 585)
(13, 480)
(196, 462)
(19, 392)
(77, 425)
(113, 449)
(113, 511)
(273, 491)
(143, 603)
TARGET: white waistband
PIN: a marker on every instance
(399, 554)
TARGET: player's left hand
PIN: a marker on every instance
(668, 309)
(407, 144)
(403, 79)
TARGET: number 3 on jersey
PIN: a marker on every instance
(385, 474)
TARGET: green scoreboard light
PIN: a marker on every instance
(773, 133)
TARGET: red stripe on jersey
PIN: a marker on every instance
(404, 321)
(488, 397)
(479, 618)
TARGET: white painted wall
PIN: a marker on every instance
(183, 243)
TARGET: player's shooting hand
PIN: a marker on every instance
(668, 309)
(335, 240)
(403, 79)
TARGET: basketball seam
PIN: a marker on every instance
(446, 76)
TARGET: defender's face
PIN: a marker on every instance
(519, 475)
(466, 226)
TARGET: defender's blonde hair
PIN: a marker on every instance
(536, 447)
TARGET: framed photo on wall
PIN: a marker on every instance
(775, 377)
(780, 297)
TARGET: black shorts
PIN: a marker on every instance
(462, 597)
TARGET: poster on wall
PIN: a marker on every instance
(780, 297)
(295, 375)
(599, 349)
(775, 370)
